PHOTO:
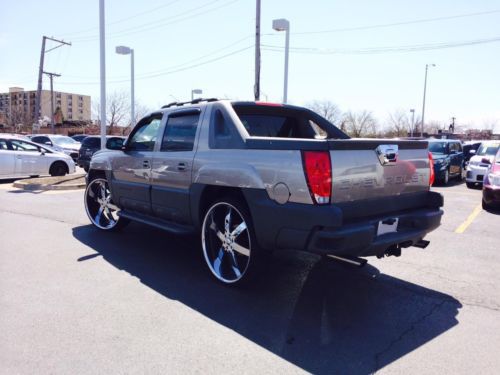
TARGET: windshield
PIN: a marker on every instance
(437, 147)
(489, 149)
(64, 141)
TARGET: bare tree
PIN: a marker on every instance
(398, 123)
(327, 109)
(117, 112)
(360, 124)
(490, 124)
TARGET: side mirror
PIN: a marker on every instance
(48, 143)
(42, 151)
(472, 152)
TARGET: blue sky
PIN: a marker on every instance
(208, 44)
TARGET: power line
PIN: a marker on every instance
(171, 71)
(393, 24)
(124, 19)
(381, 50)
(186, 15)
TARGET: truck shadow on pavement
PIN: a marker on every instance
(323, 317)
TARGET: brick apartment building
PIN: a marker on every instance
(18, 107)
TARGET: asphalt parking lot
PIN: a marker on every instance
(75, 300)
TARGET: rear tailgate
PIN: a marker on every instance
(377, 168)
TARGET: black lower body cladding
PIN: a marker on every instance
(346, 228)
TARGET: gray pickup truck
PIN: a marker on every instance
(252, 177)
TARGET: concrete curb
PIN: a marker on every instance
(35, 184)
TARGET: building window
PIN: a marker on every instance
(58, 94)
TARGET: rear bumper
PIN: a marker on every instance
(345, 228)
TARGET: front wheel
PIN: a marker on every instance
(59, 168)
(101, 210)
(228, 242)
(446, 177)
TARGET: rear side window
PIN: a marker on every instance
(180, 132)
(3, 144)
(285, 122)
(92, 142)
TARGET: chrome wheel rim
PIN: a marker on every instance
(226, 242)
(446, 176)
(99, 205)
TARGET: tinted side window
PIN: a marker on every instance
(180, 132)
(145, 136)
(114, 143)
(3, 144)
(40, 139)
(92, 142)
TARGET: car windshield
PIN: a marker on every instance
(437, 147)
(64, 141)
(488, 149)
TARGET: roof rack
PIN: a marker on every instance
(195, 101)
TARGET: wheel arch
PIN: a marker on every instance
(203, 195)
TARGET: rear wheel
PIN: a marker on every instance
(100, 208)
(229, 245)
(446, 177)
(59, 168)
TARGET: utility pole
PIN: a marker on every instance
(102, 53)
(40, 71)
(256, 89)
(423, 102)
(52, 117)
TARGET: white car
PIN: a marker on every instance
(480, 162)
(20, 158)
(60, 143)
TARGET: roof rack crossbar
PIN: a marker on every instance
(195, 101)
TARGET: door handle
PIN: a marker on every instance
(181, 166)
(145, 163)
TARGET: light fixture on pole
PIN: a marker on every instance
(122, 50)
(412, 111)
(195, 91)
(283, 25)
(423, 104)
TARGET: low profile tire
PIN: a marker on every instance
(470, 185)
(229, 244)
(101, 210)
(59, 168)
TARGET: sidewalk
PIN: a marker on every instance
(68, 182)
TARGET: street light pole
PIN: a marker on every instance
(412, 121)
(195, 91)
(284, 25)
(423, 104)
(132, 89)
(123, 50)
(102, 45)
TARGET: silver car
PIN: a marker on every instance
(21, 158)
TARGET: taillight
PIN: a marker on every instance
(318, 171)
(431, 168)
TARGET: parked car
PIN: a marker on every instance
(92, 143)
(480, 162)
(59, 143)
(470, 149)
(79, 137)
(448, 159)
(251, 177)
(21, 158)
(491, 184)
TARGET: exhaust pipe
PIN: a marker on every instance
(422, 244)
(358, 262)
